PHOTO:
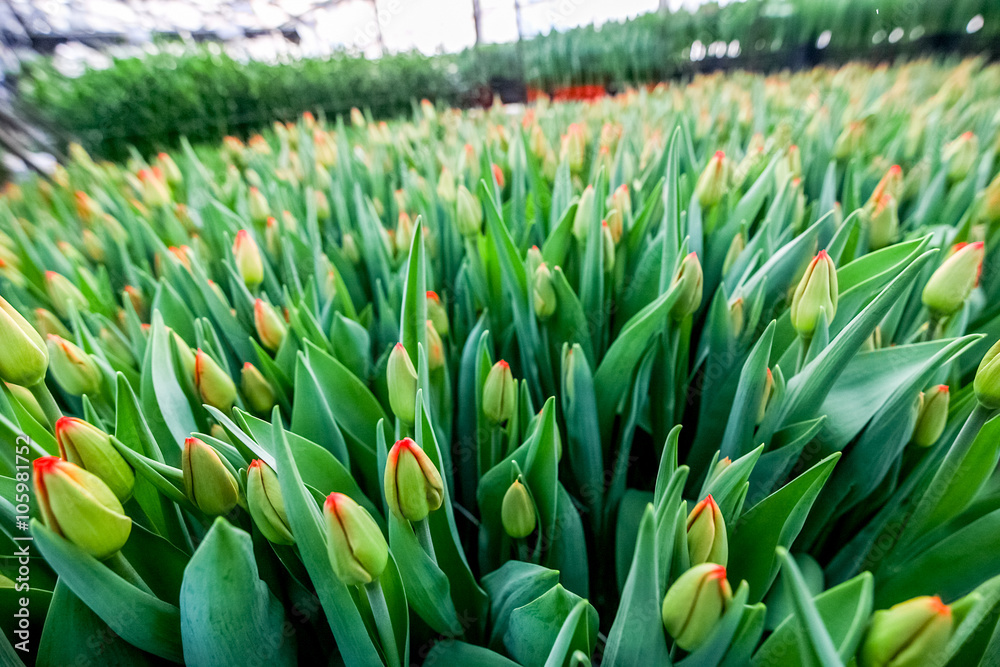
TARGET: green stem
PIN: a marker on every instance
(422, 529)
(523, 553)
(48, 404)
(934, 327)
(803, 352)
(380, 610)
(120, 566)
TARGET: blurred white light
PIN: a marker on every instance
(697, 50)
(975, 24)
(734, 48)
(878, 37)
(896, 35)
(823, 40)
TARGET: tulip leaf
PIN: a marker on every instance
(574, 633)
(534, 628)
(312, 414)
(412, 327)
(164, 403)
(814, 640)
(738, 437)
(514, 585)
(451, 652)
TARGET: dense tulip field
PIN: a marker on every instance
(700, 374)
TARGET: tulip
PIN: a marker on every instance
(435, 348)
(517, 513)
(883, 221)
(910, 634)
(77, 505)
(413, 485)
(90, 448)
(544, 292)
(736, 316)
(695, 603)
(932, 416)
(987, 382)
(960, 155)
(815, 293)
(266, 505)
(171, 172)
(322, 205)
(153, 188)
(446, 189)
(706, 534)
(437, 314)
(584, 213)
(350, 248)
(28, 402)
(736, 247)
(765, 397)
(401, 378)
(258, 207)
(404, 233)
(64, 295)
(951, 283)
(248, 260)
(256, 389)
(357, 549)
(499, 393)
(989, 203)
(714, 181)
(468, 212)
(271, 327)
(619, 209)
(691, 281)
(208, 483)
(608, 251)
(24, 357)
(72, 368)
(891, 184)
(214, 385)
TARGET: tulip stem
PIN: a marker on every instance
(422, 529)
(120, 566)
(380, 610)
(48, 404)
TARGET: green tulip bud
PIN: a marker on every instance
(207, 481)
(64, 295)
(435, 348)
(932, 416)
(47, 323)
(350, 248)
(910, 634)
(891, 184)
(987, 382)
(258, 208)
(691, 281)
(90, 448)
(544, 292)
(619, 210)
(706, 534)
(28, 402)
(401, 378)
(24, 357)
(960, 155)
(816, 291)
(214, 385)
(765, 397)
(79, 506)
(358, 550)
(266, 505)
(714, 181)
(468, 212)
(171, 172)
(185, 353)
(518, 511)
(695, 603)
(322, 202)
(413, 485)
(72, 368)
(988, 207)
(499, 393)
(256, 389)
(437, 314)
(446, 189)
(249, 264)
(271, 327)
(883, 221)
(736, 316)
(951, 283)
(736, 247)
(609, 247)
(584, 213)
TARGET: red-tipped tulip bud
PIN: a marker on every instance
(435, 348)
(911, 634)
(714, 181)
(619, 210)
(90, 448)
(765, 397)
(401, 378)
(468, 212)
(952, 283)
(706, 534)
(248, 261)
(960, 155)
(544, 292)
(214, 385)
(584, 213)
(695, 603)
(736, 316)
(932, 416)
(413, 486)
(357, 118)
(816, 292)
(63, 294)
(437, 314)
(24, 357)
(891, 184)
(987, 382)
(153, 188)
(404, 233)
(499, 393)
(271, 327)
(736, 247)
(446, 189)
(883, 221)
(517, 513)
(691, 281)
(989, 203)
(257, 204)
(79, 506)
(74, 370)
(256, 389)
(850, 140)
(358, 550)
(171, 172)
(207, 481)
(266, 504)
(322, 205)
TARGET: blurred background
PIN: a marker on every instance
(122, 74)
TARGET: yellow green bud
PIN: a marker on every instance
(266, 504)
(544, 292)
(413, 485)
(691, 280)
(72, 368)
(64, 295)
(90, 448)
(249, 264)
(256, 389)
(714, 181)
(517, 513)
(706, 534)
(951, 283)
(24, 357)
(357, 549)
(815, 293)
(910, 634)
(468, 212)
(695, 603)
(932, 416)
(401, 378)
(987, 382)
(499, 393)
(207, 481)
(271, 327)
(214, 385)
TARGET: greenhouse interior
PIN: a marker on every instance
(552, 333)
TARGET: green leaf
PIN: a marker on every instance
(814, 639)
(534, 628)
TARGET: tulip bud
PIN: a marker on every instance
(248, 261)
(932, 416)
(883, 221)
(736, 316)
(989, 203)
(765, 397)
(322, 205)
(90, 448)
(497, 175)
(257, 205)
(413, 486)
(446, 189)
(404, 233)
(706, 534)
(499, 393)
(214, 385)
(357, 549)
(171, 172)
(691, 280)
(350, 248)
(357, 118)
(584, 212)
(960, 156)
(435, 348)
(256, 389)
(619, 208)
(910, 634)
(468, 212)
(79, 506)
(714, 181)
(849, 141)
(63, 294)
(891, 184)
(574, 145)
(437, 314)
(816, 292)
(518, 511)
(695, 603)
(266, 505)
(74, 370)
(47, 323)
(987, 382)
(736, 247)
(207, 481)
(544, 292)
(153, 188)
(950, 285)
(271, 327)
(401, 377)
(609, 248)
